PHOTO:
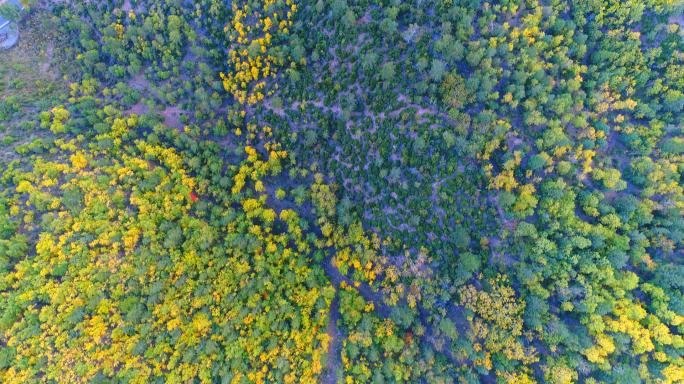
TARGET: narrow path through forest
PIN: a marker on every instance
(335, 348)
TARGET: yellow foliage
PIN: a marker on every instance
(79, 161)
(516, 378)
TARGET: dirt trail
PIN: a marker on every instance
(48, 57)
(335, 347)
(334, 350)
(336, 278)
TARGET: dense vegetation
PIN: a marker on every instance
(432, 191)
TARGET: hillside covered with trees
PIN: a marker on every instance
(342, 191)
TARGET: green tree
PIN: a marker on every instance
(460, 236)
(339, 7)
(387, 72)
(437, 70)
(349, 19)
(369, 60)
(10, 11)
(254, 49)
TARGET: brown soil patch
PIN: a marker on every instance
(172, 116)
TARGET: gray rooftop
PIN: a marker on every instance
(12, 37)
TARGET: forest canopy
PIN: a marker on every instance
(338, 191)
